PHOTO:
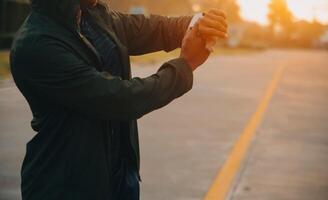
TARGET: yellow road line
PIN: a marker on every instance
(223, 182)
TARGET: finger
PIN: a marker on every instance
(218, 12)
(197, 33)
(211, 32)
(213, 24)
(220, 19)
(217, 18)
(193, 34)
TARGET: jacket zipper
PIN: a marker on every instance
(94, 51)
(91, 48)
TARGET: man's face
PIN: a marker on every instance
(88, 3)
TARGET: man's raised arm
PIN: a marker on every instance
(153, 33)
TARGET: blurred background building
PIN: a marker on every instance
(12, 14)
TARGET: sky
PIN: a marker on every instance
(256, 10)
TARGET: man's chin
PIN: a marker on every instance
(93, 2)
(88, 3)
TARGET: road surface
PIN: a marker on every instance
(185, 145)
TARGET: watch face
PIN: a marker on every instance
(195, 19)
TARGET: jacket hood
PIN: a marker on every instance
(63, 11)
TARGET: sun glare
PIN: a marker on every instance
(305, 9)
(257, 10)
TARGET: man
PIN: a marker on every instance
(70, 60)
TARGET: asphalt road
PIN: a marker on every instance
(184, 146)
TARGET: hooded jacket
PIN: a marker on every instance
(73, 102)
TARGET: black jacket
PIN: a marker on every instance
(73, 101)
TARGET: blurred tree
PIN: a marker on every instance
(170, 7)
(281, 19)
(233, 10)
(306, 33)
(254, 35)
(163, 7)
(231, 7)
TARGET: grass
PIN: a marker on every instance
(4, 65)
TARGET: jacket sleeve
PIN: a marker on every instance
(153, 33)
(61, 78)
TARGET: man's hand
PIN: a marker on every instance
(213, 24)
(193, 49)
(207, 30)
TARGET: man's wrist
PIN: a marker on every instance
(189, 64)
